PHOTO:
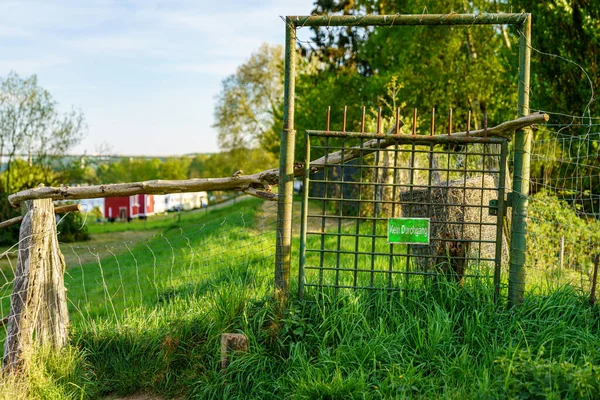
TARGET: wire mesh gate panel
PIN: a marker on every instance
(368, 179)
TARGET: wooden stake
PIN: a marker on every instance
(594, 280)
(561, 255)
(232, 343)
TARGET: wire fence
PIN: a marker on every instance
(564, 207)
(106, 280)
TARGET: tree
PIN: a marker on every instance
(129, 169)
(467, 68)
(31, 125)
(248, 110)
(174, 168)
(569, 30)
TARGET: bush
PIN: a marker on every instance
(9, 235)
(71, 228)
(551, 219)
(527, 377)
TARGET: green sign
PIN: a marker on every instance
(408, 230)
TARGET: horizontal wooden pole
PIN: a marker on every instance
(57, 210)
(408, 19)
(259, 184)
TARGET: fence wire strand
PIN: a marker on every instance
(564, 205)
(105, 281)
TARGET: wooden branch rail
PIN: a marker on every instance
(57, 210)
(259, 184)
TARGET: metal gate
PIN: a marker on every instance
(363, 185)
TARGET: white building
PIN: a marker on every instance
(160, 203)
(173, 202)
(185, 201)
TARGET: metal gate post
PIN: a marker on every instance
(522, 148)
(286, 169)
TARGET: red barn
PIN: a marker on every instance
(124, 208)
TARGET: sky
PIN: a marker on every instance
(145, 73)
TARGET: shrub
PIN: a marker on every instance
(9, 235)
(551, 219)
(71, 228)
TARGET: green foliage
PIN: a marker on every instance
(129, 170)
(226, 163)
(200, 166)
(570, 30)
(71, 228)
(248, 109)
(23, 175)
(9, 235)
(51, 375)
(552, 219)
(527, 377)
(441, 67)
(174, 168)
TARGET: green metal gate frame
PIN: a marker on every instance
(404, 200)
(522, 142)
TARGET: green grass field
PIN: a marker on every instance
(147, 315)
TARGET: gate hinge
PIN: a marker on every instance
(493, 205)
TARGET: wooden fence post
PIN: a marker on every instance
(561, 254)
(38, 301)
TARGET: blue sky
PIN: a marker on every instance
(145, 73)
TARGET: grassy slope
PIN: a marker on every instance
(156, 324)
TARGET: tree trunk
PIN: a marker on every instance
(38, 301)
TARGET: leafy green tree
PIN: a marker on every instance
(197, 168)
(248, 110)
(78, 172)
(129, 169)
(174, 168)
(464, 68)
(31, 125)
(566, 55)
(22, 175)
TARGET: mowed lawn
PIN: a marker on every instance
(147, 316)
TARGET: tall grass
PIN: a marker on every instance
(432, 341)
(441, 343)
